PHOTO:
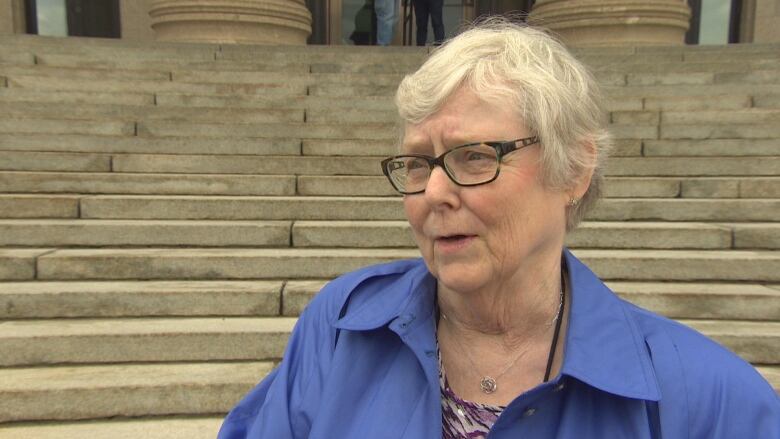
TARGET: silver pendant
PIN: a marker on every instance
(488, 385)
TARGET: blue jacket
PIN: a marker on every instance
(362, 363)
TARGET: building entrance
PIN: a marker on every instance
(354, 22)
(75, 18)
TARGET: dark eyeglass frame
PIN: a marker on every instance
(502, 147)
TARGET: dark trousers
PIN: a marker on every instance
(422, 10)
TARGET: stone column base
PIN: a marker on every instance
(614, 22)
(231, 21)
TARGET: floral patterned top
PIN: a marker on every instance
(463, 419)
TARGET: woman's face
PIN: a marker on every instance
(475, 237)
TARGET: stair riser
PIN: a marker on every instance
(141, 348)
(64, 265)
(138, 304)
(119, 402)
(257, 234)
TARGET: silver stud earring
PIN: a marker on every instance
(573, 201)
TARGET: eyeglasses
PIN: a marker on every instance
(466, 165)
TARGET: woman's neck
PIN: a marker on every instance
(506, 338)
(511, 311)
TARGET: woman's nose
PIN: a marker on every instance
(441, 190)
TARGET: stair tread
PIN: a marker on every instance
(58, 378)
(150, 428)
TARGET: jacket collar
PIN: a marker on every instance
(604, 347)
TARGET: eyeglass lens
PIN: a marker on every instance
(466, 165)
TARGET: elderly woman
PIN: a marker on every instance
(498, 331)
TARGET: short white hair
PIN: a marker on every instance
(555, 96)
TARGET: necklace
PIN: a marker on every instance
(489, 384)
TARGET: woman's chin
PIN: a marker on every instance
(461, 277)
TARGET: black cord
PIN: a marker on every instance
(558, 320)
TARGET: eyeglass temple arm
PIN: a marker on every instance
(507, 147)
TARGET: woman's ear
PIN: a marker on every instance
(583, 181)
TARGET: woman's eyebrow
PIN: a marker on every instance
(417, 147)
(425, 146)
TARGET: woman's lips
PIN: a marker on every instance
(452, 243)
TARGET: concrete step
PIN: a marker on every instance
(755, 342)
(126, 233)
(384, 208)
(669, 78)
(208, 71)
(138, 298)
(54, 161)
(766, 75)
(38, 206)
(763, 74)
(19, 264)
(689, 300)
(348, 147)
(148, 86)
(640, 66)
(767, 101)
(367, 103)
(655, 209)
(16, 58)
(235, 164)
(22, 95)
(67, 60)
(345, 185)
(711, 147)
(169, 145)
(119, 340)
(746, 116)
(689, 90)
(687, 103)
(719, 131)
(91, 392)
(384, 234)
(147, 428)
(145, 184)
(227, 263)
(304, 130)
(349, 90)
(733, 187)
(296, 263)
(97, 112)
(325, 115)
(399, 67)
(757, 235)
(693, 166)
(91, 47)
(60, 126)
(682, 265)
(699, 300)
(735, 52)
(224, 76)
(404, 55)
(84, 74)
(142, 63)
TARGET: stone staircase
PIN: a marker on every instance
(167, 210)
